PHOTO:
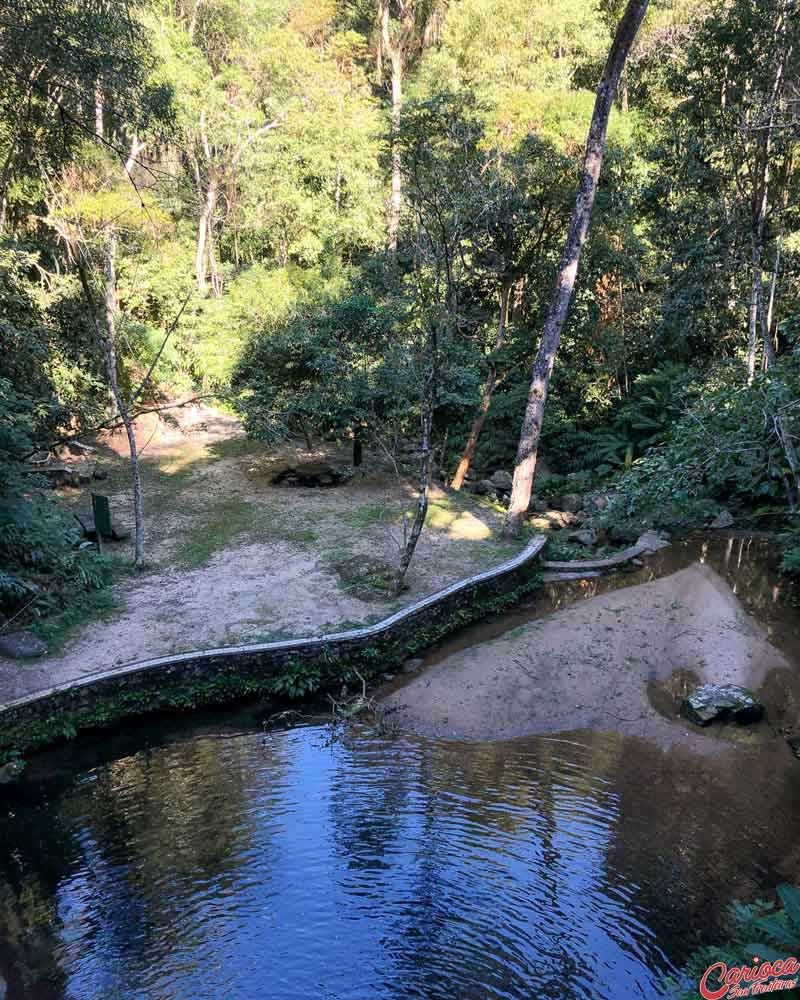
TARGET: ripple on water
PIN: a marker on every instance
(288, 866)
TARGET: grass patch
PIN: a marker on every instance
(227, 519)
(369, 514)
(94, 605)
(236, 447)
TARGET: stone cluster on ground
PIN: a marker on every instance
(311, 474)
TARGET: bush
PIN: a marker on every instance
(725, 448)
(42, 564)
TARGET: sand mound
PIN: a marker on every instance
(596, 665)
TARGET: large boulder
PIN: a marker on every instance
(502, 480)
(720, 702)
(584, 536)
(723, 520)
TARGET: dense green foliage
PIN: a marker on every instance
(242, 152)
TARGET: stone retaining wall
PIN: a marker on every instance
(218, 675)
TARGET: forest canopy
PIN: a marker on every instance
(318, 212)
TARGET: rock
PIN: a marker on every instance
(652, 541)
(21, 645)
(723, 520)
(571, 503)
(551, 520)
(410, 666)
(585, 537)
(538, 506)
(12, 771)
(100, 474)
(598, 502)
(711, 702)
(502, 480)
(310, 474)
(484, 487)
(627, 532)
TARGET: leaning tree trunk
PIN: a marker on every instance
(110, 358)
(426, 420)
(488, 392)
(568, 267)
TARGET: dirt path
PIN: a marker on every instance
(233, 558)
(621, 661)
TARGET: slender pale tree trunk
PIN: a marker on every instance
(396, 205)
(393, 52)
(766, 316)
(204, 236)
(110, 357)
(568, 267)
(761, 185)
(756, 292)
(488, 392)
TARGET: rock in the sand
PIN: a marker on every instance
(711, 702)
(21, 645)
(502, 480)
(411, 666)
(723, 520)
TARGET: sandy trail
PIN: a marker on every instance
(274, 578)
(601, 665)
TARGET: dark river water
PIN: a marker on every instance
(210, 859)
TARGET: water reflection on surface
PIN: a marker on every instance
(289, 866)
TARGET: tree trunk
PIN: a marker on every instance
(358, 448)
(760, 201)
(397, 177)
(568, 267)
(110, 358)
(204, 236)
(766, 321)
(426, 420)
(756, 291)
(488, 392)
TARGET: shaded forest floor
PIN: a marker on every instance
(233, 558)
